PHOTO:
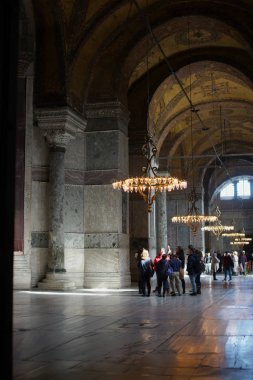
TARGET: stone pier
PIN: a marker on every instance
(59, 127)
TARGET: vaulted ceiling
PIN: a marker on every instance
(99, 51)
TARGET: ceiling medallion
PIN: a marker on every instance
(150, 184)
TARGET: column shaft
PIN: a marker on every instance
(56, 204)
(162, 239)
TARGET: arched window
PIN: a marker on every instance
(240, 188)
(228, 191)
(243, 188)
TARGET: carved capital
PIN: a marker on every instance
(58, 138)
(59, 125)
(107, 110)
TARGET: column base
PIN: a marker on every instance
(56, 281)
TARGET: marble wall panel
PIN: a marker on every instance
(74, 240)
(178, 234)
(39, 239)
(102, 150)
(109, 281)
(138, 217)
(106, 240)
(105, 124)
(39, 206)
(75, 153)
(40, 150)
(123, 163)
(124, 261)
(74, 260)
(39, 258)
(102, 261)
(102, 209)
(74, 209)
(106, 268)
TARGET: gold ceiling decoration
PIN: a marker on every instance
(150, 184)
(193, 218)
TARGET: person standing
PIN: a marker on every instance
(138, 258)
(191, 264)
(199, 267)
(236, 263)
(175, 282)
(242, 262)
(215, 265)
(162, 275)
(227, 266)
(208, 262)
(146, 272)
(180, 254)
(156, 260)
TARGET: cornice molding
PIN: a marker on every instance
(107, 110)
(62, 118)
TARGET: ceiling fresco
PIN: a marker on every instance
(208, 84)
(184, 33)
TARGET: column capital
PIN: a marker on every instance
(59, 125)
(58, 138)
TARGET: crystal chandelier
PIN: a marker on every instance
(150, 184)
(193, 218)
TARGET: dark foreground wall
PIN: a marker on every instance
(8, 64)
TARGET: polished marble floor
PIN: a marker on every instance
(119, 335)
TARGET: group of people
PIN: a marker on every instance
(230, 263)
(169, 269)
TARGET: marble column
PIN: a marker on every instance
(161, 221)
(58, 141)
(59, 127)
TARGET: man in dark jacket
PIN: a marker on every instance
(191, 269)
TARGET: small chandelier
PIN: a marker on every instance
(243, 239)
(217, 229)
(234, 234)
(242, 242)
(149, 185)
(193, 219)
